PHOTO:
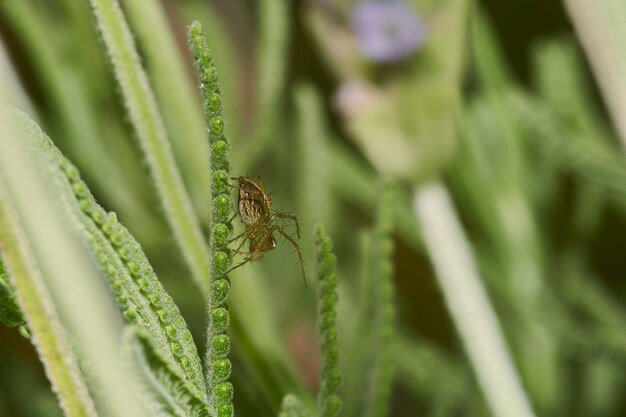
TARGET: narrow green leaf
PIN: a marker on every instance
(596, 162)
(167, 392)
(272, 63)
(68, 299)
(600, 28)
(10, 312)
(140, 295)
(49, 336)
(177, 97)
(146, 120)
(314, 190)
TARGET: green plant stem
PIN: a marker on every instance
(218, 344)
(328, 402)
(148, 125)
(600, 27)
(469, 304)
(383, 298)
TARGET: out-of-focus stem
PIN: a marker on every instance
(601, 28)
(468, 303)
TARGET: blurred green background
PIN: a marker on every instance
(501, 103)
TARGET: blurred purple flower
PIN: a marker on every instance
(387, 30)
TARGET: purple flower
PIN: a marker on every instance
(386, 30)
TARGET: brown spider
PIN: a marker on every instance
(255, 211)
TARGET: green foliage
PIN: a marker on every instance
(371, 362)
(272, 63)
(176, 96)
(167, 392)
(483, 278)
(10, 313)
(139, 294)
(292, 407)
(218, 344)
(383, 325)
(328, 401)
(148, 124)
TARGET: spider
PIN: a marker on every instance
(255, 211)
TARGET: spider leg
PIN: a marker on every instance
(254, 256)
(248, 177)
(296, 247)
(243, 241)
(291, 217)
(246, 234)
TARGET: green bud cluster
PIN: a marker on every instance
(329, 402)
(220, 227)
(383, 328)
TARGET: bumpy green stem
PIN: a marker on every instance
(383, 296)
(218, 365)
(146, 120)
(329, 403)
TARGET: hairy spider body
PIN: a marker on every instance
(254, 201)
(255, 211)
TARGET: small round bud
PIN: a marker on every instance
(220, 346)
(219, 319)
(220, 235)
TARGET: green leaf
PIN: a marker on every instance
(600, 28)
(10, 312)
(66, 297)
(272, 62)
(140, 295)
(176, 94)
(148, 124)
(167, 392)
